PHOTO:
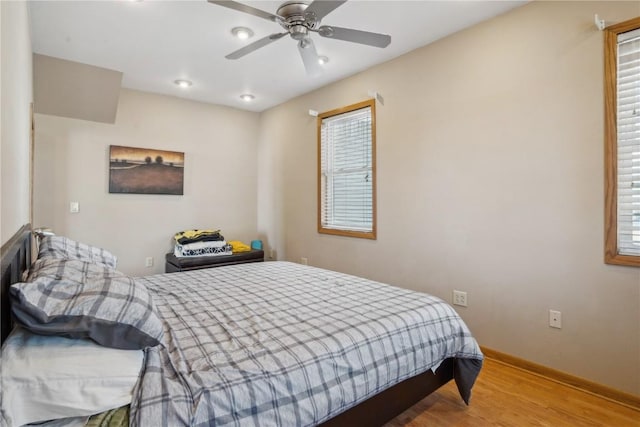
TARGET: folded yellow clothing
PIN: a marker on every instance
(238, 246)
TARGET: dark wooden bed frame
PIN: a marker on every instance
(16, 259)
(375, 411)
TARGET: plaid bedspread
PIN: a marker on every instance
(281, 344)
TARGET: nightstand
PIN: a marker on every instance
(174, 263)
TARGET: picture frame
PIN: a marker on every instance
(134, 170)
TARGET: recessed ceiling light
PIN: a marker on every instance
(242, 33)
(183, 83)
(323, 59)
(247, 97)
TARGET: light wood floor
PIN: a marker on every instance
(507, 396)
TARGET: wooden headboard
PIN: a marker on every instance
(16, 259)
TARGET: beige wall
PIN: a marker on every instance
(490, 181)
(17, 94)
(71, 162)
(72, 89)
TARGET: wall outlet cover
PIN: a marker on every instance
(460, 298)
(555, 319)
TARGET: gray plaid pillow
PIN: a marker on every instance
(78, 299)
(64, 248)
(71, 269)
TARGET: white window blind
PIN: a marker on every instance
(347, 171)
(628, 131)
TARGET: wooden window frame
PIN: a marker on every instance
(611, 253)
(350, 233)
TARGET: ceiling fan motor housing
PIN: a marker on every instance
(295, 20)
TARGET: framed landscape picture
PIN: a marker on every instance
(145, 171)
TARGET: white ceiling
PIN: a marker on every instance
(156, 42)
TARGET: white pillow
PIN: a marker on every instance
(50, 377)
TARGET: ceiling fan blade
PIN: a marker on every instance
(309, 57)
(246, 9)
(321, 8)
(355, 36)
(255, 45)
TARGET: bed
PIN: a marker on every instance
(272, 343)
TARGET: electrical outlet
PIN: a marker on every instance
(460, 298)
(74, 207)
(304, 261)
(148, 261)
(273, 254)
(555, 319)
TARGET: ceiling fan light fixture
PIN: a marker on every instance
(183, 83)
(243, 33)
(298, 32)
(323, 59)
(247, 97)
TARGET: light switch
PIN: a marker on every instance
(74, 207)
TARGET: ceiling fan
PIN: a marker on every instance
(299, 19)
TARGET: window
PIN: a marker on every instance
(622, 143)
(347, 171)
